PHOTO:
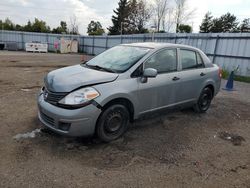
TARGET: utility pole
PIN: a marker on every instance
(153, 34)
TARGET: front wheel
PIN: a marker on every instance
(204, 100)
(112, 123)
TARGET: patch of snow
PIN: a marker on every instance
(25, 89)
(31, 134)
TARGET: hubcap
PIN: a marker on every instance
(205, 101)
(113, 123)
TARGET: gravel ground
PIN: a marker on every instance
(177, 149)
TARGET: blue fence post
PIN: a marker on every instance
(83, 44)
(106, 42)
(215, 48)
(93, 45)
(22, 41)
(121, 39)
(47, 40)
(1, 35)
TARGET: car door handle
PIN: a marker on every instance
(202, 74)
(175, 78)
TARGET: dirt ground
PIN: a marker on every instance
(178, 149)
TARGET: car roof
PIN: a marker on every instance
(159, 45)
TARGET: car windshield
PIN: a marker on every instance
(117, 59)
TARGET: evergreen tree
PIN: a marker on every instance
(120, 19)
(19, 27)
(217, 26)
(207, 23)
(95, 28)
(227, 23)
(245, 26)
(36, 26)
(28, 27)
(63, 25)
(185, 28)
(40, 26)
(61, 29)
(7, 24)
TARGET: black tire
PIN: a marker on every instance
(204, 101)
(112, 123)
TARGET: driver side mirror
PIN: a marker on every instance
(148, 73)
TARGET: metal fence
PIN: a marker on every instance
(228, 50)
(23, 37)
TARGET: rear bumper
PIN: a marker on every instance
(77, 122)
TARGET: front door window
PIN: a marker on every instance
(164, 61)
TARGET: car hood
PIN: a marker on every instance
(70, 78)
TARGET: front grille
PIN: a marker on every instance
(53, 97)
(47, 119)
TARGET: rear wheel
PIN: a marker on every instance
(204, 101)
(112, 123)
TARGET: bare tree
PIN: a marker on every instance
(73, 25)
(182, 13)
(169, 20)
(140, 13)
(160, 10)
(144, 12)
(163, 22)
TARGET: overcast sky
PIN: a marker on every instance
(53, 11)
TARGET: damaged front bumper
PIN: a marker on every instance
(69, 122)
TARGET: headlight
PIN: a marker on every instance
(80, 96)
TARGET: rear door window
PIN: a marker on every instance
(200, 63)
(190, 60)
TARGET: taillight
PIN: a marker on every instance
(220, 72)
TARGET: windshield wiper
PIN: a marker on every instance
(97, 67)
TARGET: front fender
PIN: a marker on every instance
(125, 89)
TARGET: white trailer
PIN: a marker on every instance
(36, 47)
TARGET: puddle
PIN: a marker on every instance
(234, 138)
(31, 134)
